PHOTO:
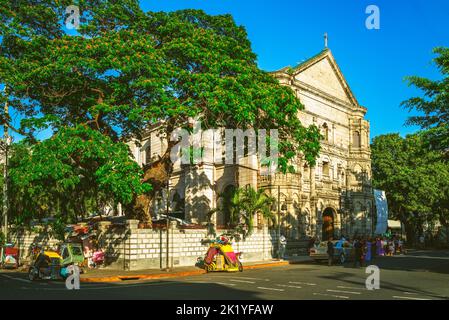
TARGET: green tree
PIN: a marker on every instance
(245, 204)
(434, 105)
(414, 179)
(126, 69)
(77, 169)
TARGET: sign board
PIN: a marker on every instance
(382, 211)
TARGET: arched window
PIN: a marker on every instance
(179, 206)
(228, 194)
(326, 169)
(325, 132)
(356, 139)
(148, 155)
(245, 146)
(306, 171)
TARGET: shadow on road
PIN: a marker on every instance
(13, 288)
(417, 265)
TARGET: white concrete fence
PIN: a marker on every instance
(130, 248)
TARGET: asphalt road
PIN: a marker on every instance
(421, 275)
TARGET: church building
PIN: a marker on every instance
(331, 199)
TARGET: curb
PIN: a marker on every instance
(174, 274)
(301, 262)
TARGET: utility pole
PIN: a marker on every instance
(5, 168)
(279, 222)
(167, 265)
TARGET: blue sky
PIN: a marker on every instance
(374, 62)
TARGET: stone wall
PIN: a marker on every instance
(130, 248)
(25, 238)
(146, 248)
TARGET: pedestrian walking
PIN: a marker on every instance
(401, 246)
(378, 247)
(311, 244)
(283, 242)
(330, 252)
(422, 242)
(358, 254)
(390, 248)
(373, 249)
(368, 254)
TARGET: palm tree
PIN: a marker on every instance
(245, 204)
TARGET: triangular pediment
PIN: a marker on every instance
(322, 73)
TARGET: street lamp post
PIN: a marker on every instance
(279, 222)
(167, 266)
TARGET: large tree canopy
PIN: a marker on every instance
(125, 69)
(69, 171)
(414, 178)
(434, 105)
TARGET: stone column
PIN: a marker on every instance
(334, 142)
(132, 224)
(313, 211)
(129, 254)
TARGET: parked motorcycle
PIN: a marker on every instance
(45, 266)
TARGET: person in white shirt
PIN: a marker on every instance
(283, 242)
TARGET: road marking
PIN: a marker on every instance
(343, 291)
(248, 278)
(354, 288)
(305, 283)
(273, 289)
(330, 295)
(18, 279)
(211, 282)
(225, 284)
(422, 257)
(244, 281)
(409, 298)
(287, 286)
(245, 278)
(413, 293)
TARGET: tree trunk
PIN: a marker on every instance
(410, 232)
(157, 174)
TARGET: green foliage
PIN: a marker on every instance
(245, 204)
(124, 70)
(58, 227)
(434, 104)
(414, 178)
(121, 73)
(62, 174)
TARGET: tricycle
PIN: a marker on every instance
(72, 254)
(221, 257)
(45, 266)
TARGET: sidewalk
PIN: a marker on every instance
(113, 275)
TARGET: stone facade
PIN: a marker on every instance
(330, 199)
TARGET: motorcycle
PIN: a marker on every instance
(45, 266)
